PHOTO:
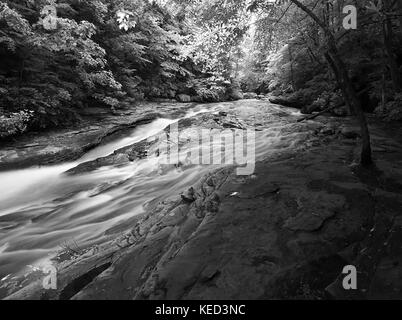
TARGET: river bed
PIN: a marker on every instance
(142, 230)
(42, 209)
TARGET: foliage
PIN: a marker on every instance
(216, 31)
(209, 89)
(99, 53)
(292, 48)
(111, 53)
(14, 123)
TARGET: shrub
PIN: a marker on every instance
(14, 123)
(209, 89)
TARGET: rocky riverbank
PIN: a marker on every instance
(97, 127)
(285, 232)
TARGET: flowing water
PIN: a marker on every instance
(41, 207)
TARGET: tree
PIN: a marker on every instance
(383, 10)
(216, 30)
(335, 61)
(60, 57)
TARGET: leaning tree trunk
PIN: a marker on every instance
(345, 83)
(352, 100)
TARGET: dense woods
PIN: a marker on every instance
(88, 58)
(81, 54)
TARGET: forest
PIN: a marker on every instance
(111, 53)
(319, 82)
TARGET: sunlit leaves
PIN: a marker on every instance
(217, 27)
(124, 19)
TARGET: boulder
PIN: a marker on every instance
(250, 95)
(290, 101)
(183, 98)
(196, 99)
(236, 95)
(189, 196)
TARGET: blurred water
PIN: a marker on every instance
(41, 208)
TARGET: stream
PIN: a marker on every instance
(42, 209)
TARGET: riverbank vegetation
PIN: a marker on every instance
(104, 53)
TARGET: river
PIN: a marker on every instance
(43, 210)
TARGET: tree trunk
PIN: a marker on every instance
(345, 83)
(399, 2)
(383, 91)
(352, 101)
(291, 68)
(384, 84)
(393, 66)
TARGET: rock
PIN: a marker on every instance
(223, 113)
(291, 101)
(189, 196)
(112, 160)
(315, 211)
(304, 222)
(350, 132)
(183, 98)
(236, 95)
(309, 109)
(70, 144)
(196, 99)
(234, 237)
(230, 123)
(250, 95)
